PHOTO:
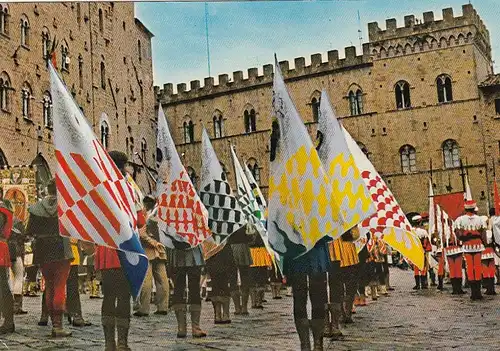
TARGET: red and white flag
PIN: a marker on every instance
(95, 201)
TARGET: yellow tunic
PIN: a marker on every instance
(343, 251)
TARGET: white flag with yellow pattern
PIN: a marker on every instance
(347, 184)
(302, 208)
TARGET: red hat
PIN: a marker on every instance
(470, 204)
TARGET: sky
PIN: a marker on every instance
(247, 34)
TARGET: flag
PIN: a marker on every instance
(439, 222)
(496, 197)
(225, 215)
(246, 199)
(389, 222)
(446, 229)
(432, 219)
(347, 184)
(250, 206)
(468, 193)
(95, 201)
(302, 208)
(183, 219)
(256, 191)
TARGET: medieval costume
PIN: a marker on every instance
(454, 256)
(488, 260)
(220, 267)
(187, 263)
(53, 253)
(423, 235)
(375, 261)
(74, 305)
(469, 229)
(343, 283)
(115, 309)
(309, 268)
(261, 262)
(157, 269)
(6, 299)
(242, 260)
(16, 250)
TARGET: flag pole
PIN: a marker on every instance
(206, 34)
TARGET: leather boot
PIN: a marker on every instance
(78, 321)
(318, 328)
(278, 291)
(216, 303)
(180, 315)
(253, 297)
(244, 301)
(328, 324)
(8, 315)
(302, 326)
(259, 292)
(57, 325)
(348, 305)
(195, 322)
(440, 282)
(490, 289)
(236, 296)
(477, 288)
(417, 283)
(225, 301)
(18, 304)
(460, 291)
(373, 289)
(44, 318)
(122, 327)
(335, 311)
(423, 282)
(108, 325)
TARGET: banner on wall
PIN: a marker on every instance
(18, 186)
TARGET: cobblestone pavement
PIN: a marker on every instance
(407, 320)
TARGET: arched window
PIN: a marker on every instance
(144, 150)
(451, 154)
(45, 43)
(47, 110)
(43, 174)
(254, 168)
(408, 157)
(192, 175)
(64, 56)
(224, 169)
(5, 92)
(103, 75)
(356, 102)
(80, 70)
(4, 19)
(315, 108)
(402, 91)
(364, 149)
(250, 120)
(188, 128)
(101, 21)
(3, 159)
(26, 95)
(25, 31)
(139, 50)
(218, 124)
(444, 91)
(105, 134)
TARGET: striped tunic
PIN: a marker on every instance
(343, 251)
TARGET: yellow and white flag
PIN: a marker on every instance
(302, 208)
(389, 223)
(348, 186)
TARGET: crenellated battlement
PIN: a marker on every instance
(413, 26)
(415, 36)
(239, 81)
